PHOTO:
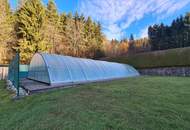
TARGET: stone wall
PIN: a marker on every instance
(167, 71)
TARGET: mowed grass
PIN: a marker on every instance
(142, 103)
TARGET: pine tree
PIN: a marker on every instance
(52, 24)
(67, 31)
(187, 29)
(98, 52)
(61, 47)
(78, 32)
(131, 49)
(89, 36)
(74, 36)
(6, 32)
(166, 37)
(29, 27)
(35, 28)
(51, 12)
(20, 3)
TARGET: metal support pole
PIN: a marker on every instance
(18, 70)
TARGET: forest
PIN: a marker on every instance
(34, 27)
(160, 37)
(177, 35)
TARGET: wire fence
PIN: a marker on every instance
(13, 72)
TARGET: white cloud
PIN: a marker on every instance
(144, 32)
(113, 31)
(177, 6)
(117, 15)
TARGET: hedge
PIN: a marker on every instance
(166, 58)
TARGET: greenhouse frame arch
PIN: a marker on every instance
(59, 70)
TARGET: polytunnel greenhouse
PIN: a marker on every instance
(59, 70)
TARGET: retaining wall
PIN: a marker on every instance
(167, 71)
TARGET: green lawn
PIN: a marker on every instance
(143, 103)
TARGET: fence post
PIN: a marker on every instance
(18, 71)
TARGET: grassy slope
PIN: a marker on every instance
(166, 58)
(151, 103)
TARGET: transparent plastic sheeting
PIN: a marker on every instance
(58, 69)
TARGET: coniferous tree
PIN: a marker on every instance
(68, 35)
(29, 27)
(187, 30)
(89, 36)
(52, 24)
(20, 3)
(166, 37)
(94, 38)
(35, 28)
(73, 37)
(78, 36)
(7, 35)
(62, 47)
(131, 44)
(99, 41)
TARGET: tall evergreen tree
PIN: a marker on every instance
(36, 28)
(98, 52)
(68, 37)
(52, 24)
(79, 39)
(131, 49)
(74, 35)
(29, 27)
(20, 3)
(6, 32)
(174, 36)
(89, 36)
(61, 47)
(187, 29)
